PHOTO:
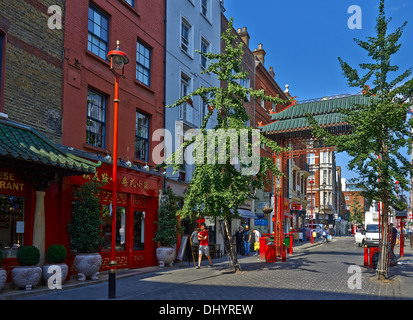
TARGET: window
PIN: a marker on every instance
(142, 137)
(311, 158)
(131, 2)
(204, 49)
(143, 64)
(185, 35)
(347, 198)
(120, 238)
(12, 224)
(186, 110)
(98, 36)
(96, 119)
(138, 230)
(204, 7)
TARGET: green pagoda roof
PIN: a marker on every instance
(24, 143)
(325, 111)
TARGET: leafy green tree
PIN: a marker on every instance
(168, 225)
(356, 211)
(218, 187)
(379, 130)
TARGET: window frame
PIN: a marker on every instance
(139, 44)
(91, 33)
(188, 44)
(103, 123)
(142, 138)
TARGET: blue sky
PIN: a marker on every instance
(303, 40)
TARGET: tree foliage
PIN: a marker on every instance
(218, 187)
(380, 131)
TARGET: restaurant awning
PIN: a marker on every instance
(19, 142)
(246, 214)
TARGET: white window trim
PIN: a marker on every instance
(190, 51)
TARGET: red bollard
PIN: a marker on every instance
(283, 254)
(366, 256)
(291, 243)
(401, 244)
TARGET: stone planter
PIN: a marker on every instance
(26, 277)
(64, 269)
(165, 256)
(3, 278)
(88, 265)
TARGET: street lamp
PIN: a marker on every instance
(117, 59)
(311, 182)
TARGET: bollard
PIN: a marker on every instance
(401, 244)
(366, 256)
(283, 254)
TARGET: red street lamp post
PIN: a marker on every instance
(311, 182)
(117, 59)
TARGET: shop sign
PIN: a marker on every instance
(8, 181)
(125, 181)
(261, 222)
(295, 206)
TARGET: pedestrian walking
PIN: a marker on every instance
(247, 240)
(411, 235)
(239, 240)
(194, 238)
(257, 235)
(325, 234)
(203, 238)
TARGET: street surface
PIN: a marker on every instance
(319, 272)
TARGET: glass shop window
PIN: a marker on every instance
(138, 230)
(120, 229)
(11, 224)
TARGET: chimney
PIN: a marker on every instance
(271, 71)
(244, 36)
(260, 53)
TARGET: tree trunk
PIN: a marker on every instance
(232, 252)
(382, 267)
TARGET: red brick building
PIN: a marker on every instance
(91, 30)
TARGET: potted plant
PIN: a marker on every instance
(3, 273)
(55, 256)
(86, 229)
(168, 228)
(27, 275)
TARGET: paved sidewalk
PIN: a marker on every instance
(9, 293)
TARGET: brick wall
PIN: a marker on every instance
(32, 66)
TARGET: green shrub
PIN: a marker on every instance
(168, 224)
(86, 225)
(28, 256)
(56, 253)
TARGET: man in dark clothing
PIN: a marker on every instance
(239, 239)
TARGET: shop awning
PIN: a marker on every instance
(24, 143)
(247, 214)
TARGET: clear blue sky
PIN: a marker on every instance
(303, 40)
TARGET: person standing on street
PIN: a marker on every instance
(411, 235)
(203, 238)
(247, 240)
(325, 234)
(239, 240)
(257, 235)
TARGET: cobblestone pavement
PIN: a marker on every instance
(318, 272)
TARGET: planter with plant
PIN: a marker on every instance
(27, 275)
(168, 228)
(55, 256)
(3, 273)
(86, 229)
